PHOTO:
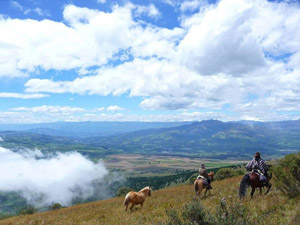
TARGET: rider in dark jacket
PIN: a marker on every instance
(258, 163)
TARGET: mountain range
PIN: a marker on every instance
(210, 138)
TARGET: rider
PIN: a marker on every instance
(258, 163)
(203, 172)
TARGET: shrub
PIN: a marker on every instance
(193, 213)
(232, 213)
(123, 191)
(287, 174)
(193, 178)
(56, 206)
(225, 173)
(28, 209)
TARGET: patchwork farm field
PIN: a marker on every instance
(160, 165)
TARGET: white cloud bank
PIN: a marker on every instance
(45, 180)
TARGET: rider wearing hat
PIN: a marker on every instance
(203, 172)
(258, 163)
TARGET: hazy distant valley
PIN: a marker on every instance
(207, 139)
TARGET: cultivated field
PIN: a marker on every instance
(141, 163)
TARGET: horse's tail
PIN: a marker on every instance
(196, 186)
(244, 185)
(126, 201)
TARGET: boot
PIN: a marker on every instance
(209, 186)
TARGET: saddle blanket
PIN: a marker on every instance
(262, 178)
(205, 182)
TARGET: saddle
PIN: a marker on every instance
(262, 177)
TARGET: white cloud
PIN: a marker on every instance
(60, 110)
(150, 10)
(44, 180)
(16, 5)
(21, 95)
(218, 59)
(90, 38)
(169, 2)
(101, 1)
(100, 109)
(41, 12)
(192, 5)
(223, 41)
(164, 85)
(114, 108)
(26, 11)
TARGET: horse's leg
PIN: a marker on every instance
(269, 187)
(142, 204)
(260, 190)
(126, 207)
(132, 205)
(205, 192)
(197, 189)
(252, 192)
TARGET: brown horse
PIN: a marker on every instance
(136, 198)
(252, 179)
(199, 185)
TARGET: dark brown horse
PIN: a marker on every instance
(252, 179)
(199, 185)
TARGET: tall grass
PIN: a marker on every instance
(270, 209)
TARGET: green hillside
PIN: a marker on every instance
(206, 139)
(270, 209)
(212, 139)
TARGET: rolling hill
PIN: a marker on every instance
(211, 138)
(207, 139)
(270, 209)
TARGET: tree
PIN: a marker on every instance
(123, 191)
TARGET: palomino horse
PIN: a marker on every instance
(252, 179)
(199, 184)
(136, 198)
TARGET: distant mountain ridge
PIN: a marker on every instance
(86, 129)
(209, 138)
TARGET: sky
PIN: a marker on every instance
(140, 60)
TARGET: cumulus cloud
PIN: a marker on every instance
(114, 108)
(44, 180)
(171, 86)
(87, 38)
(192, 5)
(65, 110)
(216, 59)
(150, 11)
(16, 5)
(22, 96)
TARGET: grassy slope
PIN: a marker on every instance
(272, 209)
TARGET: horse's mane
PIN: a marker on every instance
(145, 188)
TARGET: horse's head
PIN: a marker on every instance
(211, 175)
(149, 192)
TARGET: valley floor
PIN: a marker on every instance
(270, 209)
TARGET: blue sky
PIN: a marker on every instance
(160, 60)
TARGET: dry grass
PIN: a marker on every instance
(271, 209)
